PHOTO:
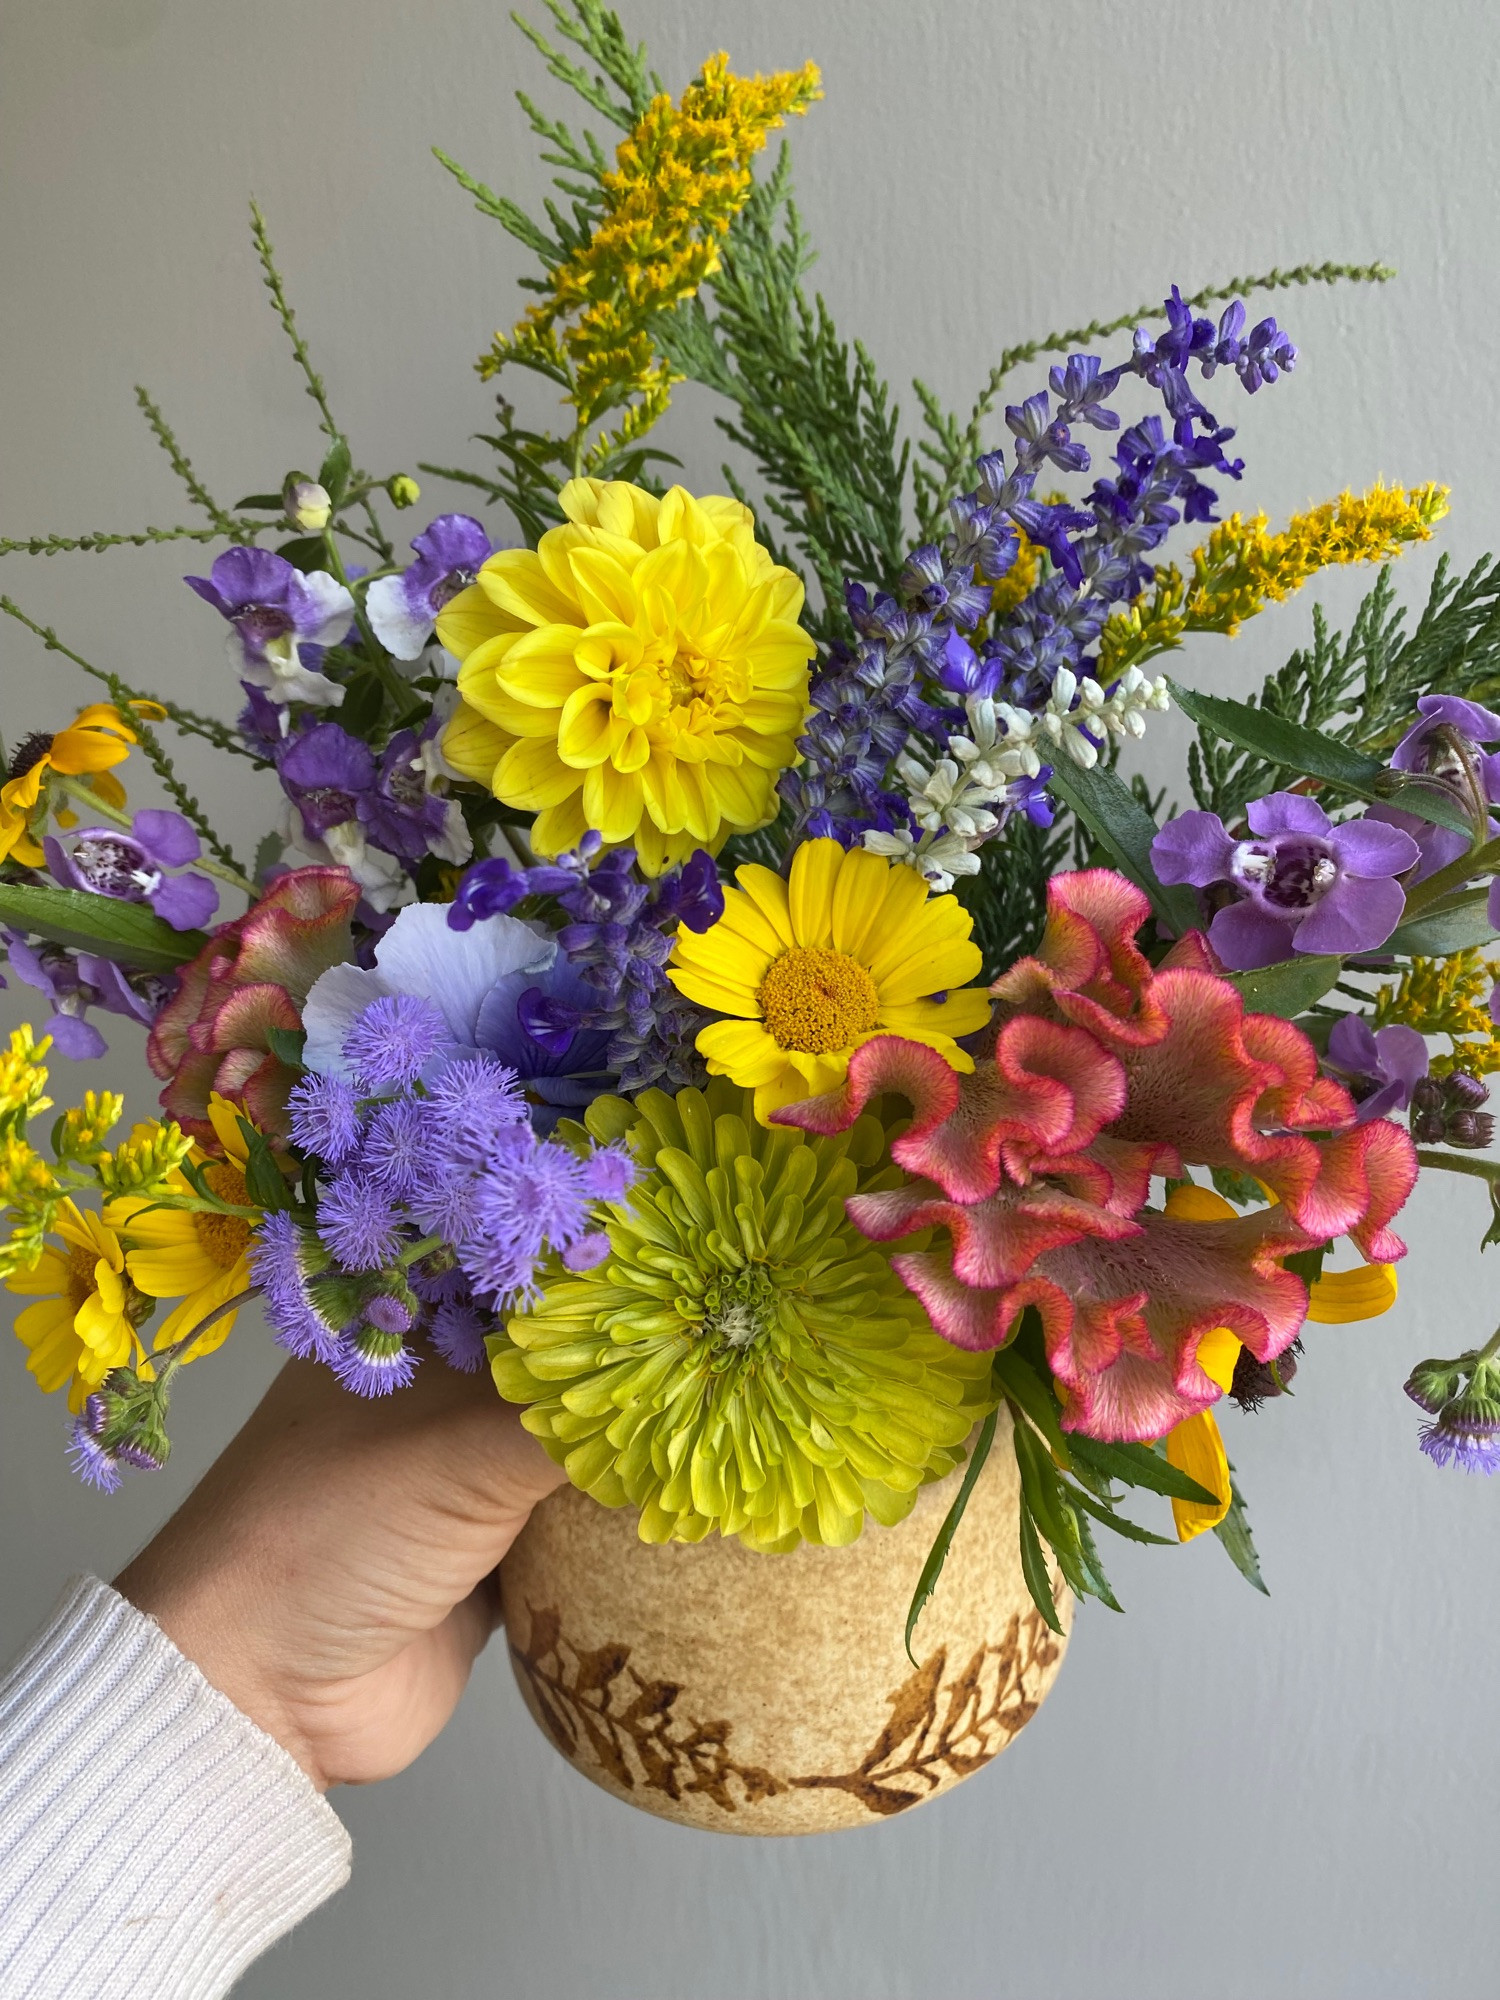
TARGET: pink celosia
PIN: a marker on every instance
(1105, 1072)
(252, 975)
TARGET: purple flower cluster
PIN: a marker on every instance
(437, 1201)
(284, 620)
(618, 940)
(913, 644)
(133, 867)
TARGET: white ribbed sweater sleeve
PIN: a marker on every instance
(153, 1840)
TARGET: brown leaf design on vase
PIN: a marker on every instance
(596, 1698)
(936, 1732)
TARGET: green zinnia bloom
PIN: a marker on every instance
(744, 1361)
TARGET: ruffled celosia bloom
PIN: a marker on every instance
(640, 672)
(1039, 1166)
(253, 975)
(812, 967)
(742, 1362)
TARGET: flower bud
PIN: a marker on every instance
(1431, 1383)
(307, 504)
(1466, 1091)
(403, 489)
(1473, 1130)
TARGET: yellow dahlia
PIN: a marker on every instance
(640, 672)
(811, 968)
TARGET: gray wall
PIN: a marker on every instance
(1224, 1794)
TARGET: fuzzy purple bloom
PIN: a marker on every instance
(388, 1314)
(325, 1117)
(1453, 1444)
(587, 1252)
(393, 1039)
(457, 1331)
(1380, 1067)
(283, 1260)
(398, 1153)
(94, 1463)
(373, 1363)
(357, 1222)
(402, 609)
(1304, 884)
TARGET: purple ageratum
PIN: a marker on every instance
(372, 1362)
(392, 1040)
(72, 982)
(132, 867)
(324, 1113)
(457, 1331)
(276, 610)
(285, 1259)
(1304, 884)
(402, 609)
(1380, 1067)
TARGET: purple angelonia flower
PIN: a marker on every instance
(402, 609)
(72, 982)
(1380, 1067)
(1304, 884)
(132, 867)
(341, 789)
(276, 610)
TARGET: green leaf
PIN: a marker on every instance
(1033, 1396)
(1242, 1189)
(1131, 1530)
(128, 933)
(1452, 926)
(932, 1569)
(1290, 988)
(264, 1182)
(263, 503)
(1139, 1465)
(305, 552)
(1124, 828)
(1034, 1569)
(363, 701)
(1314, 755)
(333, 476)
(287, 1044)
(1234, 1532)
(267, 854)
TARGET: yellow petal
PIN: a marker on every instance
(1363, 1293)
(516, 581)
(713, 993)
(559, 829)
(583, 729)
(815, 869)
(742, 1050)
(962, 1013)
(531, 778)
(225, 1115)
(1218, 1353)
(859, 900)
(168, 1274)
(468, 620)
(724, 956)
(613, 801)
(1195, 1447)
(768, 893)
(474, 745)
(1199, 1204)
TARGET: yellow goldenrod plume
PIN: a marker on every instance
(1241, 568)
(1363, 1293)
(1448, 996)
(1195, 1447)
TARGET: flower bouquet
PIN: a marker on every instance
(713, 973)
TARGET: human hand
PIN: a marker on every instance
(333, 1573)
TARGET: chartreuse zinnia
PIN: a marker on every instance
(640, 673)
(744, 1362)
(849, 947)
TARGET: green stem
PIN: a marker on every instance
(161, 430)
(81, 793)
(398, 689)
(1458, 1163)
(421, 1248)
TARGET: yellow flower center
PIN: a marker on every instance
(81, 1277)
(224, 1237)
(817, 1001)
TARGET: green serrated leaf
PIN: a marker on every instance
(333, 475)
(267, 854)
(1033, 1396)
(287, 1044)
(1456, 925)
(1234, 1532)
(1124, 828)
(932, 1569)
(1242, 1189)
(1118, 1524)
(1034, 1569)
(127, 933)
(1290, 988)
(1139, 1465)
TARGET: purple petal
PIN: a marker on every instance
(185, 901)
(167, 837)
(328, 758)
(60, 864)
(246, 576)
(1352, 1046)
(458, 541)
(209, 595)
(400, 624)
(1438, 845)
(116, 994)
(1357, 914)
(1403, 1057)
(1480, 725)
(1366, 848)
(322, 608)
(1192, 848)
(1245, 937)
(76, 1038)
(1286, 812)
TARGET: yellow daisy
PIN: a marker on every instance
(98, 738)
(84, 1320)
(196, 1256)
(640, 672)
(848, 948)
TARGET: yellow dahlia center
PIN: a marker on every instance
(224, 1237)
(817, 1001)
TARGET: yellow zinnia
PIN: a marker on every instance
(96, 739)
(641, 672)
(84, 1321)
(849, 948)
(196, 1256)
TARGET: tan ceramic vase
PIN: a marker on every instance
(772, 1693)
